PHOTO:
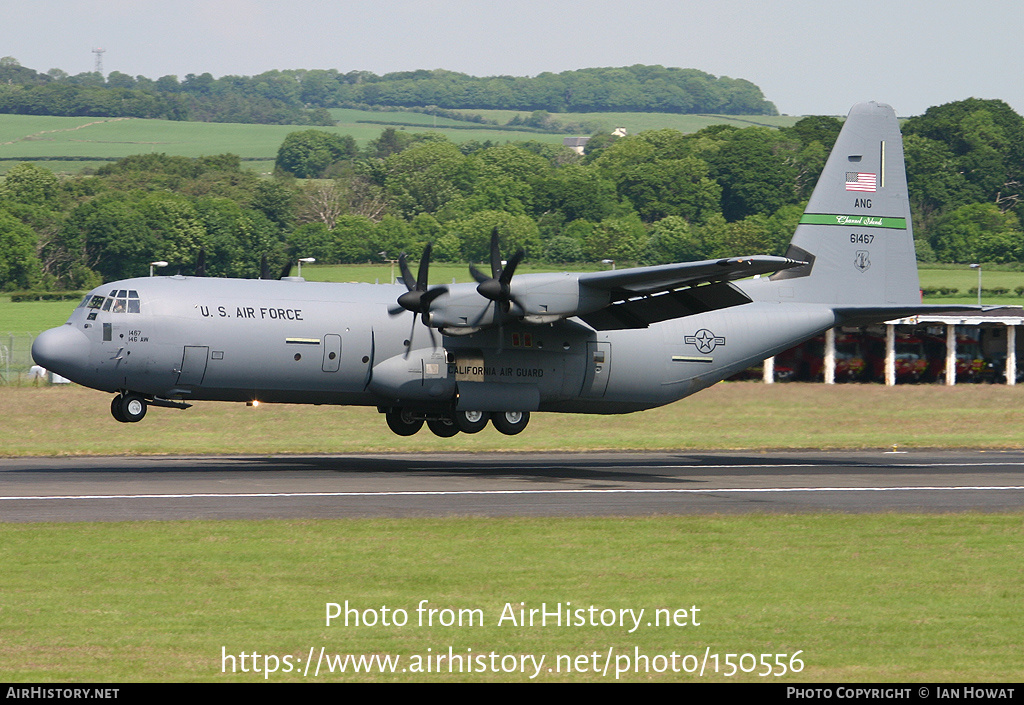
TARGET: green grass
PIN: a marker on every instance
(962, 277)
(32, 316)
(871, 598)
(732, 415)
(32, 137)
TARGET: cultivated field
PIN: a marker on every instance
(638, 122)
(46, 139)
(94, 141)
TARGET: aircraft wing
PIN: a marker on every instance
(644, 295)
(641, 281)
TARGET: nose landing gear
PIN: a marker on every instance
(128, 408)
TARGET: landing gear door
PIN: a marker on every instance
(193, 365)
(599, 360)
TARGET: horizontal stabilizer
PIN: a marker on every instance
(867, 315)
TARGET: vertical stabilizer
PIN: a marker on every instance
(856, 232)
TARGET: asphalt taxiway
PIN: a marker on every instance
(507, 484)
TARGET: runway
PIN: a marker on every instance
(490, 484)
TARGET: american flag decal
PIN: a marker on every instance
(860, 181)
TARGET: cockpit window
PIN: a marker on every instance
(119, 301)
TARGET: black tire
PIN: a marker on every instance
(510, 422)
(472, 421)
(115, 409)
(133, 407)
(445, 428)
(402, 422)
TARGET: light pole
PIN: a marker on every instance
(978, 267)
(307, 260)
(384, 256)
(156, 264)
(609, 261)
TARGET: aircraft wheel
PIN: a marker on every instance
(445, 428)
(115, 409)
(403, 423)
(471, 421)
(133, 408)
(511, 422)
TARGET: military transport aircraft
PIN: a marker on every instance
(600, 343)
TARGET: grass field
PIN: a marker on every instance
(733, 415)
(28, 138)
(33, 138)
(857, 598)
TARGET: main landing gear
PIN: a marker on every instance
(405, 422)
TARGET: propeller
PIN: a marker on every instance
(201, 263)
(497, 286)
(418, 297)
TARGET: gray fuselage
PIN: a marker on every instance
(320, 343)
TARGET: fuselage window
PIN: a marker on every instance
(106, 304)
(96, 302)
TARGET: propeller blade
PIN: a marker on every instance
(419, 296)
(510, 267)
(497, 287)
(495, 255)
(478, 275)
(421, 278)
(406, 273)
(428, 296)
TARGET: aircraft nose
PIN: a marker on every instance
(61, 350)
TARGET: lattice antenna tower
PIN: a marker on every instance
(98, 51)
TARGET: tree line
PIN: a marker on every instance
(655, 197)
(301, 97)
